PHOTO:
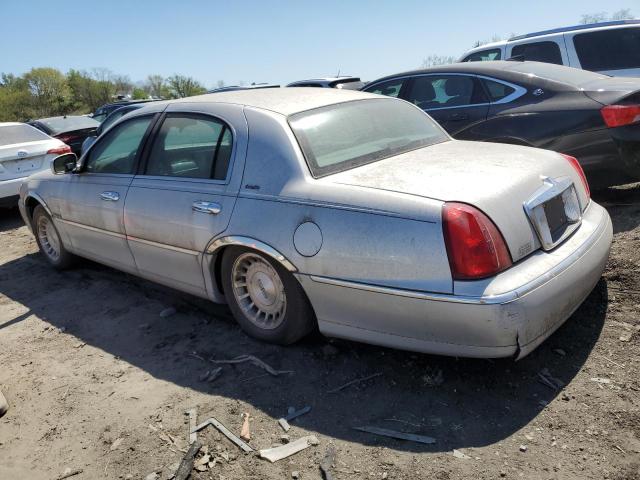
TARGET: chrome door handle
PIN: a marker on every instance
(207, 207)
(110, 196)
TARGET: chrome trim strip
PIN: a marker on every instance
(93, 229)
(163, 245)
(250, 243)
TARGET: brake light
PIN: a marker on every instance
(578, 168)
(474, 244)
(60, 150)
(620, 115)
(66, 138)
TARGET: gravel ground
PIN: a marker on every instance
(98, 381)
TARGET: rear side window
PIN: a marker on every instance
(444, 91)
(191, 146)
(10, 134)
(609, 49)
(548, 52)
(390, 88)
(484, 55)
(497, 90)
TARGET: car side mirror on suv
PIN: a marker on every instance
(64, 163)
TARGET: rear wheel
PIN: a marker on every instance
(266, 299)
(49, 241)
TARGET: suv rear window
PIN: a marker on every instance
(11, 134)
(615, 49)
(484, 55)
(548, 52)
(346, 135)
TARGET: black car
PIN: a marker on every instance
(103, 112)
(593, 117)
(71, 129)
(115, 115)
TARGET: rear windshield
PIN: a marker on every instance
(558, 73)
(67, 124)
(484, 55)
(10, 134)
(615, 49)
(346, 135)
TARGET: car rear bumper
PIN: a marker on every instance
(515, 311)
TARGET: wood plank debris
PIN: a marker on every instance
(186, 465)
(353, 382)
(193, 421)
(292, 413)
(398, 435)
(278, 453)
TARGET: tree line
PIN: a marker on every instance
(46, 92)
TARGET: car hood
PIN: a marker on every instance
(498, 179)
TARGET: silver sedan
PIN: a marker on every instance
(338, 210)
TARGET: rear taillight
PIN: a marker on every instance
(475, 247)
(60, 150)
(67, 138)
(620, 115)
(578, 168)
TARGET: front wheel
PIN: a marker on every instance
(265, 299)
(49, 241)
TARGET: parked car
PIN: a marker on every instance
(107, 122)
(612, 48)
(103, 112)
(23, 151)
(71, 129)
(592, 117)
(350, 83)
(254, 86)
(349, 212)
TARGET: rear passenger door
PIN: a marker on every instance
(454, 101)
(183, 194)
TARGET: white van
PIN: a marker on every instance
(612, 48)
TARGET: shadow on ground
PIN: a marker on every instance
(461, 402)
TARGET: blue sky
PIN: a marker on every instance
(264, 41)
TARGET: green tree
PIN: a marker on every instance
(181, 86)
(50, 92)
(157, 87)
(15, 99)
(435, 60)
(139, 94)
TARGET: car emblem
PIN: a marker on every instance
(22, 153)
(538, 91)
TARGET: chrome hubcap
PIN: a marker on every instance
(259, 291)
(49, 239)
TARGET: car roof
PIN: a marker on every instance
(9, 124)
(576, 28)
(285, 101)
(328, 79)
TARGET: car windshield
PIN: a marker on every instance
(346, 135)
(67, 124)
(558, 73)
(12, 134)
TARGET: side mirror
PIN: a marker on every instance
(64, 163)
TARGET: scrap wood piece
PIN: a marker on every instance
(186, 465)
(256, 361)
(327, 462)
(284, 424)
(193, 421)
(225, 431)
(352, 382)
(545, 377)
(69, 473)
(278, 453)
(398, 435)
(245, 432)
(292, 413)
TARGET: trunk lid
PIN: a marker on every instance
(610, 90)
(23, 159)
(498, 179)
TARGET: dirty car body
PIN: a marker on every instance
(360, 221)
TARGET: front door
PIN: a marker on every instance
(181, 198)
(454, 101)
(93, 209)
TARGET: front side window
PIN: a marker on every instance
(548, 52)
(444, 91)
(484, 55)
(497, 90)
(615, 49)
(346, 135)
(191, 146)
(390, 88)
(116, 152)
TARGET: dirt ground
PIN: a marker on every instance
(99, 381)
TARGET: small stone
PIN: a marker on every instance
(167, 312)
(523, 448)
(4, 405)
(385, 475)
(503, 473)
(284, 438)
(295, 474)
(560, 352)
(152, 476)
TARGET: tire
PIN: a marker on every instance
(266, 300)
(49, 241)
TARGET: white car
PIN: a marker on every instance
(610, 48)
(23, 150)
